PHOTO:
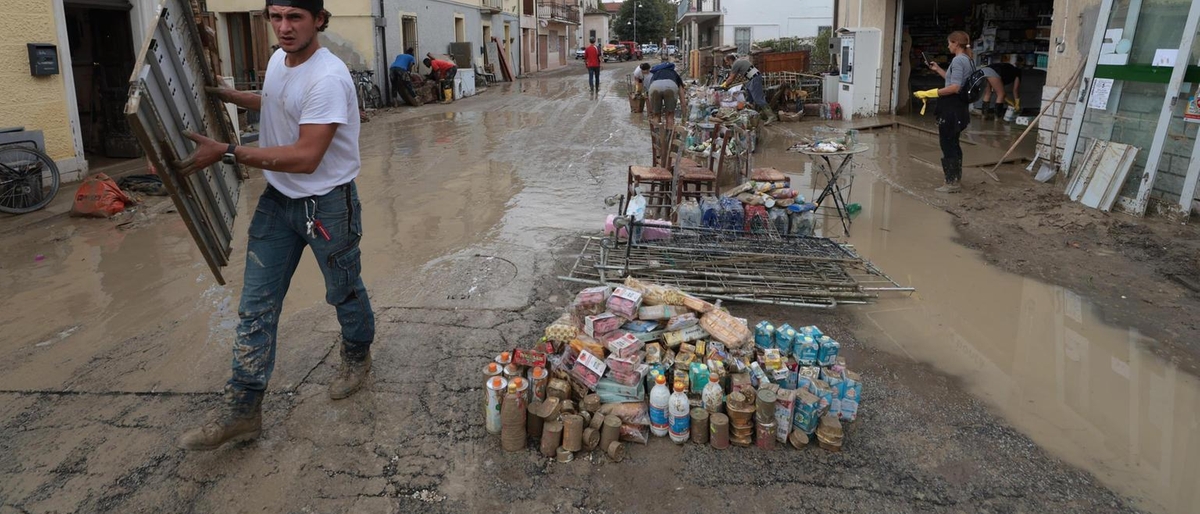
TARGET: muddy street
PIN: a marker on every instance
(986, 390)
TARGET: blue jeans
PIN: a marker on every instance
(594, 77)
(278, 236)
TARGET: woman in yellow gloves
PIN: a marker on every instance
(952, 109)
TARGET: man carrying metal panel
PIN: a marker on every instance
(309, 156)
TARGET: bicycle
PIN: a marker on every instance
(369, 96)
(23, 180)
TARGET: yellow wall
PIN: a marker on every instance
(37, 103)
(1078, 19)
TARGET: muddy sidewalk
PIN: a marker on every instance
(119, 339)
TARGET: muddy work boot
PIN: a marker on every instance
(240, 419)
(952, 169)
(988, 113)
(351, 376)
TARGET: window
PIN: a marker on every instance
(824, 29)
(460, 29)
(408, 33)
(592, 34)
(741, 38)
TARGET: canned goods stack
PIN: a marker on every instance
(585, 386)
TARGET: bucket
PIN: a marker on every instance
(637, 103)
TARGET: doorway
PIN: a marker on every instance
(1001, 33)
(102, 59)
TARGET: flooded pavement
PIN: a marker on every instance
(119, 341)
(122, 295)
(1092, 394)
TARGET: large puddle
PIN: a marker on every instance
(99, 293)
(1091, 394)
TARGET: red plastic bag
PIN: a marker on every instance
(99, 197)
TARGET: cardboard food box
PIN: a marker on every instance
(600, 324)
(625, 303)
(625, 346)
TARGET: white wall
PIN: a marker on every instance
(596, 22)
(772, 19)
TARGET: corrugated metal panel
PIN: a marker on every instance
(167, 98)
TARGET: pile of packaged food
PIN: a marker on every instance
(629, 363)
(755, 207)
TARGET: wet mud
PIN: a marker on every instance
(984, 391)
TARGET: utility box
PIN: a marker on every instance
(43, 59)
(858, 59)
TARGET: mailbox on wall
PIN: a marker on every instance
(43, 59)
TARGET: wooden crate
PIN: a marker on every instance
(771, 62)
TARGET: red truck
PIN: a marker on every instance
(635, 52)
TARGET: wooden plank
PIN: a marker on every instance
(1103, 174)
(1078, 182)
(1114, 188)
(505, 67)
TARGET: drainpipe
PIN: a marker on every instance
(387, 86)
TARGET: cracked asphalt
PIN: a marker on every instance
(471, 211)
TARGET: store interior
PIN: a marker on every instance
(1016, 32)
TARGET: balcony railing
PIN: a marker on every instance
(558, 11)
(493, 6)
(698, 6)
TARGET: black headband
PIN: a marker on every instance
(313, 6)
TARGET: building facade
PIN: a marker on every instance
(80, 109)
(712, 23)
(557, 24)
(596, 23)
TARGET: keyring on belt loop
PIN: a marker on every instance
(313, 215)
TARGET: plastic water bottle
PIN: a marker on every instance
(713, 397)
(681, 415)
(660, 396)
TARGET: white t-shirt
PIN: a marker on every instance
(317, 92)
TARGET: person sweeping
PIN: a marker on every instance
(952, 110)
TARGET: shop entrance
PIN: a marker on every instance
(1011, 33)
(100, 38)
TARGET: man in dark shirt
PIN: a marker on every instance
(999, 75)
(743, 70)
(399, 75)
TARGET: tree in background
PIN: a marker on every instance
(655, 20)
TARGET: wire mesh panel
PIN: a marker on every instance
(735, 266)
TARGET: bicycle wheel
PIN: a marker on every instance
(374, 97)
(361, 91)
(28, 179)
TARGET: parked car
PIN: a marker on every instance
(671, 50)
(649, 48)
(580, 53)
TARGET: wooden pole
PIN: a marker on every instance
(1070, 83)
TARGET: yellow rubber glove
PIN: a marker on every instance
(1016, 104)
(925, 96)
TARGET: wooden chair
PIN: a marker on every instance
(696, 180)
(655, 181)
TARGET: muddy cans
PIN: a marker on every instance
(522, 387)
(504, 359)
(539, 378)
(495, 396)
(492, 370)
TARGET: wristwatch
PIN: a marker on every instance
(229, 158)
